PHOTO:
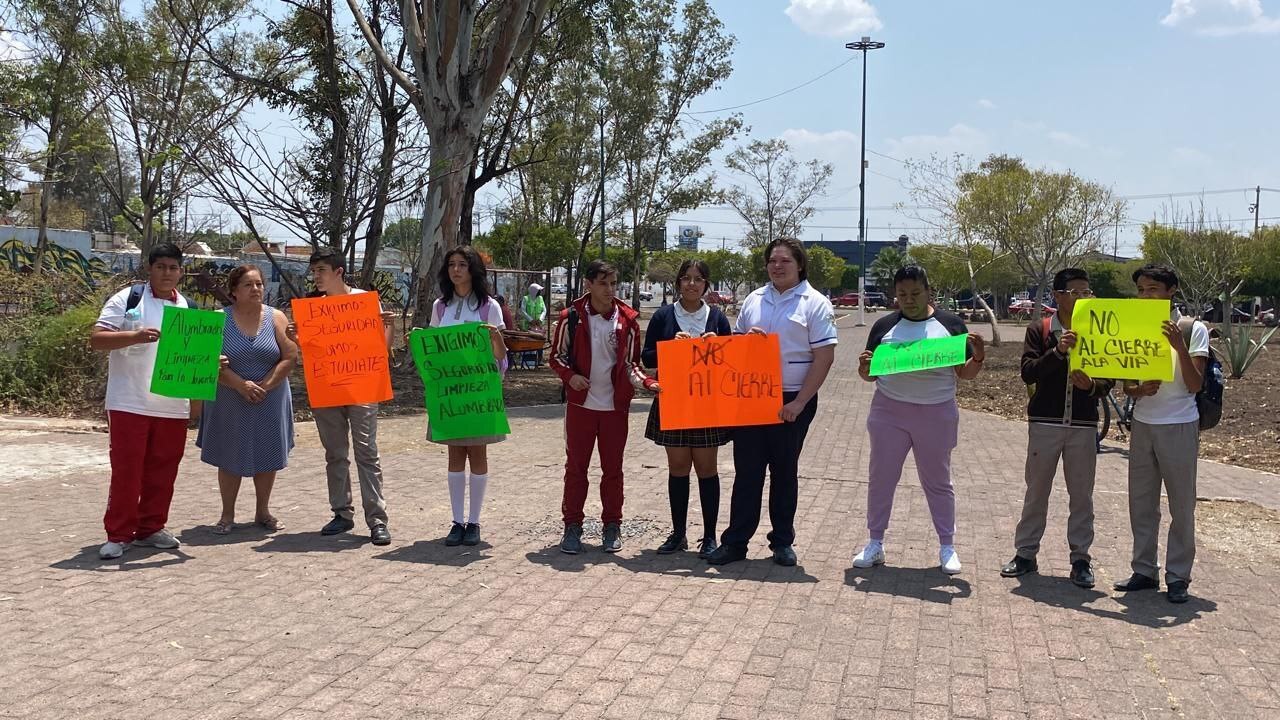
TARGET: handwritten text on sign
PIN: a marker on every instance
(344, 349)
(463, 387)
(720, 382)
(1122, 339)
(187, 362)
(924, 354)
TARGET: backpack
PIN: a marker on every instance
(572, 330)
(1209, 398)
(1046, 334)
(135, 296)
(484, 318)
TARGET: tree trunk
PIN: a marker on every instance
(465, 223)
(382, 190)
(442, 215)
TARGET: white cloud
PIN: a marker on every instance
(1221, 17)
(834, 18)
(1066, 138)
(960, 138)
(835, 147)
(986, 104)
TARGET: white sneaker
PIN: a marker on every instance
(949, 559)
(870, 556)
(162, 539)
(112, 550)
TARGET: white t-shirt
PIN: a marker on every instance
(923, 387)
(693, 323)
(802, 319)
(1173, 403)
(465, 310)
(604, 355)
(129, 374)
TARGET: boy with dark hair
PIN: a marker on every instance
(596, 353)
(1063, 423)
(1165, 447)
(345, 426)
(148, 432)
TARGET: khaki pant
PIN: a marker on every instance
(1163, 454)
(1078, 448)
(359, 424)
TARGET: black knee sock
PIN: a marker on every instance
(678, 489)
(709, 496)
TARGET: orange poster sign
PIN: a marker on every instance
(344, 349)
(724, 381)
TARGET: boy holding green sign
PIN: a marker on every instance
(1165, 448)
(148, 431)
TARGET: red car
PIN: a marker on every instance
(715, 297)
(1023, 308)
(846, 300)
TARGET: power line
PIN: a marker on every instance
(777, 95)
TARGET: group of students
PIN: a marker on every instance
(602, 359)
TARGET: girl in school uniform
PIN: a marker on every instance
(689, 317)
(465, 297)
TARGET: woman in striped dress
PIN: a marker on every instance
(248, 430)
(689, 317)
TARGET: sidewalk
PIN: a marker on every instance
(296, 625)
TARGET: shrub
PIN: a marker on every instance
(47, 365)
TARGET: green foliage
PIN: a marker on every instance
(888, 262)
(825, 268)
(1110, 279)
(1210, 261)
(1262, 277)
(46, 364)
(1241, 349)
(849, 280)
(539, 247)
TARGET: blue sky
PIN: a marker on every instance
(1148, 97)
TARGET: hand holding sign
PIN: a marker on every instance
(188, 356)
(924, 354)
(1123, 339)
(720, 381)
(344, 349)
(462, 383)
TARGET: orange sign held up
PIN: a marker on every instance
(344, 349)
(724, 381)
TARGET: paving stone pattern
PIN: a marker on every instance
(297, 625)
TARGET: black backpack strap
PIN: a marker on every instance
(135, 296)
(573, 331)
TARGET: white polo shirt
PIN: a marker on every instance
(129, 374)
(801, 317)
(1173, 403)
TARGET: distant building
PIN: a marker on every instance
(850, 252)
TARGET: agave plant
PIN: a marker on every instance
(1240, 347)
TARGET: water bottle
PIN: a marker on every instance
(132, 321)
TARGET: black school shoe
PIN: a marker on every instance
(380, 535)
(724, 555)
(1177, 592)
(706, 546)
(675, 543)
(471, 534)
(337, 526)
(454, 538)
(785, 556)
(1019, 566)
(1082, 574)
(1137, 581)
(612, 541)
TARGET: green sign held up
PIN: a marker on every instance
(463, 386)
(890, 358)
(187, 361)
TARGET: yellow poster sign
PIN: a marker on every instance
(1122, 339)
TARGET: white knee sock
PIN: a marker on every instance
(478, 485)
(457, 486)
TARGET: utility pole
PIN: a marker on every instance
(1256, 208)
(865, 44)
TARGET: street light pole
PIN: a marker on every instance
(865, 44)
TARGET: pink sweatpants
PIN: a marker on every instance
(929, 432)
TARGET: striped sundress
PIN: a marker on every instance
(235, 435)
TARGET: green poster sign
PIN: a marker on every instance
(463, 386)
(187, 362)
(890, 358)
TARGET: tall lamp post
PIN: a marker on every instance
(865, 44)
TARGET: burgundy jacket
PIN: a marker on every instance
(628, 374)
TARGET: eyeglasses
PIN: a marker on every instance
(690, 280)
(1077, 293)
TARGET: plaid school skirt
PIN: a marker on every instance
(694, 438)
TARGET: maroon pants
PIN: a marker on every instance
(145, 452)
(582, 428)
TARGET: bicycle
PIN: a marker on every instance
(1119, 405)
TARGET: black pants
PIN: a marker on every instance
(777, 448)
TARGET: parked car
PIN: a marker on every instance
(1023, 309)
(715, 297)
(559, 289)
(876, 299)
(846, 300)
(646, 296)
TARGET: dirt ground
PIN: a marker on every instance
(1248, 435)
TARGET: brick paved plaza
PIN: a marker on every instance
(302, 626)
